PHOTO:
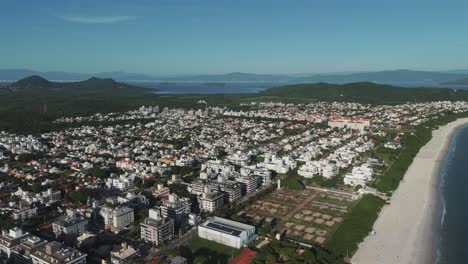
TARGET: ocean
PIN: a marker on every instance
(451, 230)
(212, 88)
(251, 87)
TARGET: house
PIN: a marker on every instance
(125, 255)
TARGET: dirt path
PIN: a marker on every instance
(299, 207)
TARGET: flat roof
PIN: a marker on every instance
(227, 229)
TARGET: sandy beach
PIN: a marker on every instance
(404, 228)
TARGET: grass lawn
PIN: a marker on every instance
(355, 226)
(212, 251)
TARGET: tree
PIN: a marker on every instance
(200, 260)
(36, 187)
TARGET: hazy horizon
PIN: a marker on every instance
(235, 72)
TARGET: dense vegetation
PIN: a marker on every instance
(365, 92)
(355, 226)
(292, 181)
(287, 252)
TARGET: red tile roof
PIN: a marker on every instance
(245, 257)
(156, 260)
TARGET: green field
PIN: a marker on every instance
(211, 251)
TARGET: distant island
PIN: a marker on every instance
(37, 83)
(168, 83)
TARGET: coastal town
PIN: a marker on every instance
(167, 185)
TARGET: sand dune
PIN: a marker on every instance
(404, 228)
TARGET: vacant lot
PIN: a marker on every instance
(310, 216)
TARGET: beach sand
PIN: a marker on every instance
(404, 228)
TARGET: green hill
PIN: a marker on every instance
(30, 104)
(36, 83)
(365, 92)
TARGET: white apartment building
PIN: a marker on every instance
(176, 208)
(118, 218)
(156, 228)
(320, 167)
(21, 254)
(71, 224)
(210, 201)
(122, 182)
(264, 173)
(57, 253)
(308, 170)
(46, 197)
(357, 123)
(238, 158)
(215, 167)
(249, 183)
(359, 175)
(330, 170)
(279, 165)
(11, 239)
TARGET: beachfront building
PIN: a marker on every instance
(392, 145)
(226, 232)
(359, 175)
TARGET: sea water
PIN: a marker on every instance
(451, 230)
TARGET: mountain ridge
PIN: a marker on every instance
(386, 76)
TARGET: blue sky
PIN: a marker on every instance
(214, 36)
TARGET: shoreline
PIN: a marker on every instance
(404, 229)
